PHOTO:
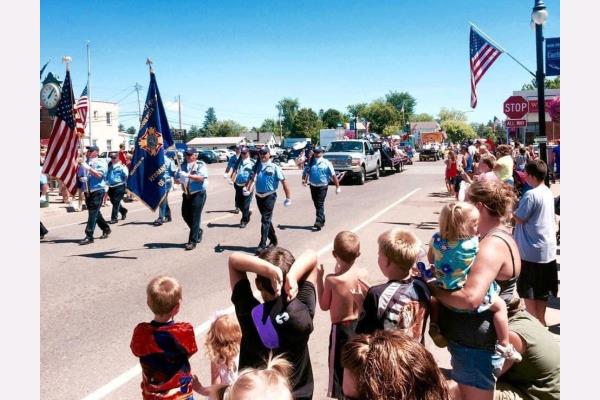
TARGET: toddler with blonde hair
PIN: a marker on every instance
(452, 251)
(223, 350)
(269, 383)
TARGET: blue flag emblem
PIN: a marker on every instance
(146, 176)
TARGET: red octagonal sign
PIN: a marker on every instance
(515, 107)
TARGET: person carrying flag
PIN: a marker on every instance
(317, 173)
(95, 171)
(116, 178)
(193, 177)
(164, 211)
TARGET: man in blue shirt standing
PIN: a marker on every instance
(95, 170)
(317, 173)
(232, 165)
(116, 178)
(267, 176)
(241, 175)
(193, 177)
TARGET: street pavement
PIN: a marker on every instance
(93, 296)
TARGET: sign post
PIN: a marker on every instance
(553, 57)
(516, 123)
(516, 107)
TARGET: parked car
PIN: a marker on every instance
(222, 154)
(208, 156)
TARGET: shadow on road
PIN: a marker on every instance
(213, 225)
(441, 194)
(219, 249)
(137, 223)
(220, 211)
(302, 227)
(106, 254)
(423, 225)
(59, 241)
(164, 245)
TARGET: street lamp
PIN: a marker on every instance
(539, 15)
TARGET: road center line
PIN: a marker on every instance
(200, 329)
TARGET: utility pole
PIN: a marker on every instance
(137, 88)
(179, 103)
(89, 86)
(280, 128)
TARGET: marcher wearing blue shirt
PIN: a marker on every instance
(95, 171)
(164, 211)
(317, 173)
(193, 177)
(266, 177)
(116, 178)
(241, 175)
(232, 165)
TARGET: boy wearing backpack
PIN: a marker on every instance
(403, 302)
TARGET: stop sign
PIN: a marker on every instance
(515, 107)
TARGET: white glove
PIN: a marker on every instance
(245, 192)
(287, 202)
(226, 175)
(83, 179)
(338, 190)
(183, 175)
(85, 166)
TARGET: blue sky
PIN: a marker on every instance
(242, 57)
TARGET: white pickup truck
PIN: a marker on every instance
(357, 158)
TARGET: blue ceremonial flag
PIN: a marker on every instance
(146, 172)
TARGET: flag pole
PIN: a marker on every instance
(89, 80)
(67, 61)
(499, 47)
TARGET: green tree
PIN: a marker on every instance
(121, 128)
(391, 130)
(193, 131)
(288, 108)
(451, 114)
(548, 84)
(331, 118)
(422, 117)
(269, 125)
(131, 130)
(381, 114)
(226, 128)
(402, 101)
(210, 118)
(306, 124)
(356, 110)
(458, 131)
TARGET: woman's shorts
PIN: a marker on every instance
(474, 367)
(538, 280)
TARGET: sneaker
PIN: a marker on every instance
(113, 221)
(105, 234)
(158, 222)
(436, 335)
(236, 211)
(168, 219)
(87, 240)
(190, 246)
(243, 224)
(123, 215)
(508, 352)
(259, 250)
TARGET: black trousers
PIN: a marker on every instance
(116, 194)
(318, 194)
(191, 210)
(43, 230)
(265, 206)
(243, 203)
(93, 202)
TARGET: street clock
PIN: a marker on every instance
(50, 93)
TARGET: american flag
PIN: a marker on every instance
(483, 55)
(81, 110)
(61, 157)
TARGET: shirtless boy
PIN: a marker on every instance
(342, 293)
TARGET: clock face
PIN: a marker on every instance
(50, 95)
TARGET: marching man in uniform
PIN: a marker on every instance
(164, 211)
(95, 170)
(241, 176)
(267, 176)
(116, 177)
(193, 177)
(232, 165)
(317, 173)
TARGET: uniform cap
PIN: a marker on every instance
(244, 149)
(318, 149)
(191, 150)
(93, 148)
(264, 150)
